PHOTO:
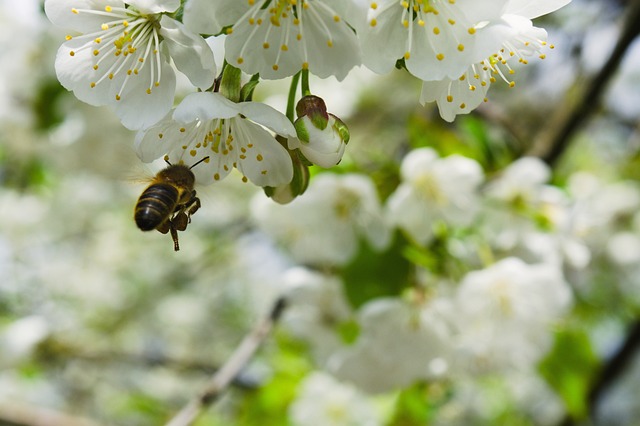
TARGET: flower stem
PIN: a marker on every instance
(292, 97)
(304, 88)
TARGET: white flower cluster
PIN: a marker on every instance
(123, 54)
(526, 246)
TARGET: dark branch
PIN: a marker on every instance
(553, 143)
(231, 369)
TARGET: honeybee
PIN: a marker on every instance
(169, 201)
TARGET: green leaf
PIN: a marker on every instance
(376, 274)
(569, 368)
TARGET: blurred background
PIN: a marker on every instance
(103, 324)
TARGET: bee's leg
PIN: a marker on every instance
(194, 205)
(164, 226)
(180, 221)
(174, 236)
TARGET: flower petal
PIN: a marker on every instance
(191, 54)
(268, 117)
(60, 13)
(205, 106)
(207, 17)
(157, 140)
(266, 163)
(533, 9)
(155, 6)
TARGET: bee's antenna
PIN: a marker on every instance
(166, 160)
(204, 159)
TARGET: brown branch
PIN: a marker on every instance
(555, 140)
(19, 414)
(230, 370)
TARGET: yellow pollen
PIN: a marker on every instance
(96, 52)
(244, 179)
(107, 8)
(240, 60)
(118, 97)
(440, 56)
(193, 152)
(259, 157)
(461, 47)
(451, 21)
(541, 57)
(407, 55)
(216, 176)
(263, 172)
(93, 84)
(95, 67)
(373, 23)
(148, 91)
(374, 5)
(98, 40)
(68, 37)
(436, 30)
(336, 18)
(471, 30)
(182, 130)
(284, 47)
(512, 84)
(72, 53)
(330, 43)
(463, 105)
(160, 135)
(275, 67)
(305, 65)
(449, 98)
(74, 10)
(265, 45)
(104, 27)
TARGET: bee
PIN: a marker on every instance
(169, 201)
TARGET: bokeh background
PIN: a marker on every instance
(102, 324)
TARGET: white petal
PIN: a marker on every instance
(154, 6)
(267, 163)
(209, 17)
(533, 9)
(454, 96)
(407, 212)
(138, 109)
(384, 43)
(245, 49)
(157, 140)
(417, 162)
(205, 106)
(59, 12)
(76, 72)
(268, 117)
(189, 52)
(331, 46)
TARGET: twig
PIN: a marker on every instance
(611, 371)
(19, 414)
(553, 142)
(223, 377)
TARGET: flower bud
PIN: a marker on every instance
(284, 194)
(322, 137)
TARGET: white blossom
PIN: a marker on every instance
(434, 190)
(505, 311)
(325, 225)
(121, 57)
(322, 400)
(279, 40)
(231, 134)
(398, 345)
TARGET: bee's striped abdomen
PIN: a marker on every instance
(155, 205)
